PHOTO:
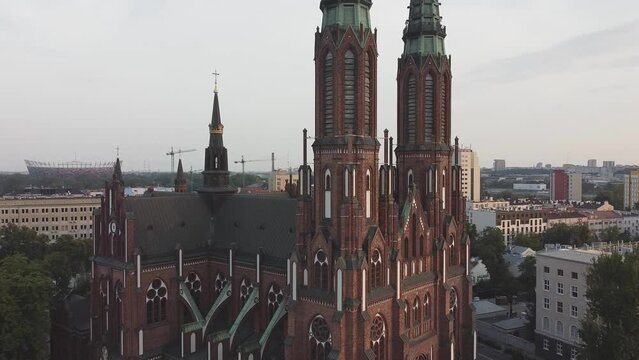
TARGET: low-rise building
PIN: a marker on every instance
(561, 301)
(511, 222)
(279, 178)
(52, 216)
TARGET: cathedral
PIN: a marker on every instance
(359, 259)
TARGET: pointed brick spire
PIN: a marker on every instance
(180, 180)
(117, 171)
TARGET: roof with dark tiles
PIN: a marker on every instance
(201, 223)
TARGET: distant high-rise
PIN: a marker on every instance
(631, 190)
(499, 164)
(470, 175)
(565, 186)
(592, 163)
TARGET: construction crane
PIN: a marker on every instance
(243, 162)
(172, 155)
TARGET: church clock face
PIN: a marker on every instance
(113, 228)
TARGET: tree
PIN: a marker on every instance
(67, 259)
(22, 240)
(490, 247)
(528, 276)
(531, 240)
(25, 294)
(564, 234)
(610, 329)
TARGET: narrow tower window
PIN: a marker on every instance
(350, 112)
(327, 194)
(321, 270)
(444, 111)
(410, 110)
(367, 95)
(368, 194)
(429, 109)
(328, 95)
(376, 269)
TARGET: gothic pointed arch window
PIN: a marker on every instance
(104, 303)
(452, 301)
(410, 106)
(347, 182)
(118, 318)
(369, 186)
(427, 307)
(376, 269)
(429, 109)
(417, 314)
(414, 234)
(156, 299)
(453, 252)
(320, 341)
(406, 248)
(422, 245)
(350, 91)
(411, 179)
(321, 270)
(443, 125)
(220, 282)
(327, 194)
(274, 298)
(368, 94)
(328, 95)
(378, 337)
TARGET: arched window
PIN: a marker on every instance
(321, 270)
(411, 179)
(220, 282)
(104, 303)
(444, 111)
(429, 109)
(422, 245)
(427, 307)
(368, 194)
(368, 94)
(347, 183)
(413, 234)
(453, 252)
(546, 324)
(274, 298)
(194, 285)
(328, 95)
(156, 298)
(245, 290)
(118, 320)
(405, 248)
(327, 194)
(350, 85)
(319, 336)
(376, 269)
(408, 318)
(417, 315)
(411, 110)
(452, 303)
(378, 338)
(560, 328)
(423, 357)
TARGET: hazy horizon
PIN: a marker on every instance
(533, 80)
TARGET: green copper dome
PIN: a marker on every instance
(424, 33)
(345, 13)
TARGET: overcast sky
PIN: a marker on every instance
(533, 80)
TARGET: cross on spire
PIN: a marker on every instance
(216, 74)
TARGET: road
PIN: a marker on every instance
(487, 353)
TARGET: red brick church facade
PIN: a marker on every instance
(362, 261)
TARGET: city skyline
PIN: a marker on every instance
(137, 76)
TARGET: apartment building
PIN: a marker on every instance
(561, 301)
(511, 221)
(52, 216)
(565, 186)
(631, 190)
(470, 174)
